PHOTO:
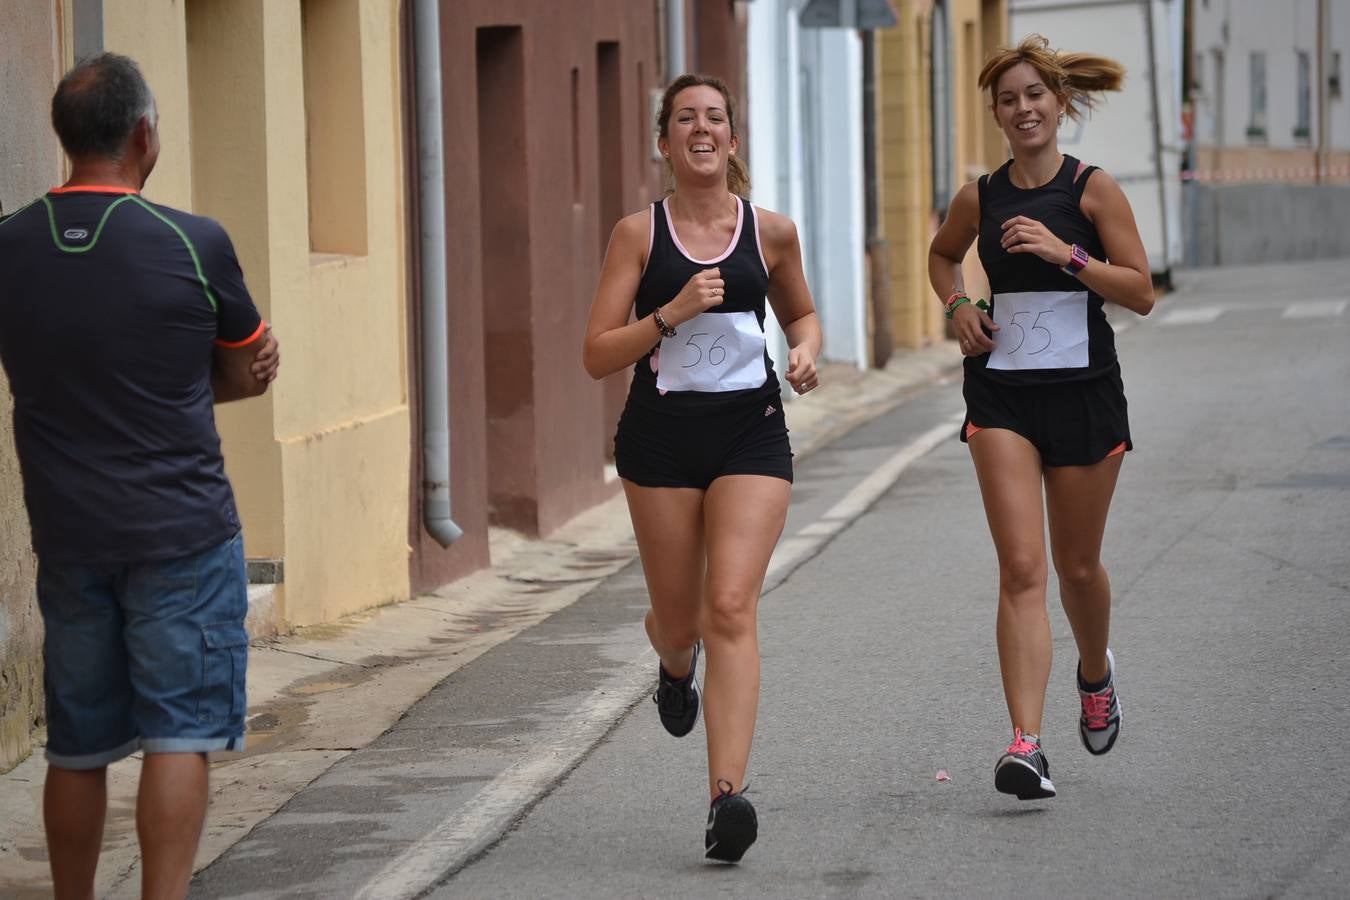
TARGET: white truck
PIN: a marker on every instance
(1135, 134)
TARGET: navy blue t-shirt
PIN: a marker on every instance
(110, 308)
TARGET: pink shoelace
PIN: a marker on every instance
(1096, 707)
(1020, 745)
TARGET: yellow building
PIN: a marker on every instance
(935, 133)
(294, 124)
(283, 121)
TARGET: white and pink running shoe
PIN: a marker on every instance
(1100, 719)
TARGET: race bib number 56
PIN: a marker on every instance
(1040, 330)
(713, 352)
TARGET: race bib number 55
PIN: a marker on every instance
(713, 352)
(1040, 330)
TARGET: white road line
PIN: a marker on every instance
(1313, 309)
(1196, 315)
(865, 493)
(793, 551)
(481, 821)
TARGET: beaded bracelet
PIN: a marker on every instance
(662, 324)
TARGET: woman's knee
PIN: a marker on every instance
(1022, 574)
(673, 630)
(729, 614)
(1079, 573)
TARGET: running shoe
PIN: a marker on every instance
(1099, 722)
(677, 699)
(732, 825)
(1023, 770)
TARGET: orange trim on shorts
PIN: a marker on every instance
(971, 428)
(234, 345)
(92, 189)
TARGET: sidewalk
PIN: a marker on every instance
(326, 691)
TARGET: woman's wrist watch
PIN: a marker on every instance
(1078, 260)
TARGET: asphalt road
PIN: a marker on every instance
(541, 770)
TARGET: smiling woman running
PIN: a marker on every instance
(1044, 398)
(702, 445)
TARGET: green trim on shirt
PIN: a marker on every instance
(67, 248)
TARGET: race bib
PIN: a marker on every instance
(713, 352)
(1040, 330)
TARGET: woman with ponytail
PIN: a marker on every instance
(702, 446)
(1046, 415)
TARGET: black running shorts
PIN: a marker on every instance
(655, 449)
(1071, 423)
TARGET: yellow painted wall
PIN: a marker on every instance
(906, 183)
(151, 32)
(320, 464)
(904, 56)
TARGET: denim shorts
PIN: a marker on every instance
(144, 656)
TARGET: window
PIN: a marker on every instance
(1303, 101)
(1256, 123)
(1334, 76)
(334, 125)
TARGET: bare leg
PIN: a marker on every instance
(74, 806)
(1009, 470)
(744, 517)
(1077, 499)
(170, 810)
(668, 523)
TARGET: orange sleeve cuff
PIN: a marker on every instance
(231, 345)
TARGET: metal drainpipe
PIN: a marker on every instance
(87, 17)
(1323, 94)
(675, 52)
(876, 249)
(435, 339)
(1157, 142)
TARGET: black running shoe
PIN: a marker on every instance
(677, 699)
(1023, 770)
(732, 825)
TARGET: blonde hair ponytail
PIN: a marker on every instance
(1076, 78)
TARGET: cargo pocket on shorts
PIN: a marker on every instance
(224, 658)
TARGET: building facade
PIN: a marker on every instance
(1266, 90)
(1268, 173)
(295, 123)
(806, 160)
(935, 132)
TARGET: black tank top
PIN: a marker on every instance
(1057, 206)
(669, 268)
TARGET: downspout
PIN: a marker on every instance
(877, 251)
(1323, 94)
(431, 228)
(87, 19)
(1158, 143)
(675, 50)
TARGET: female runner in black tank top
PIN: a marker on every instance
(1046, 415)
(702, 446)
